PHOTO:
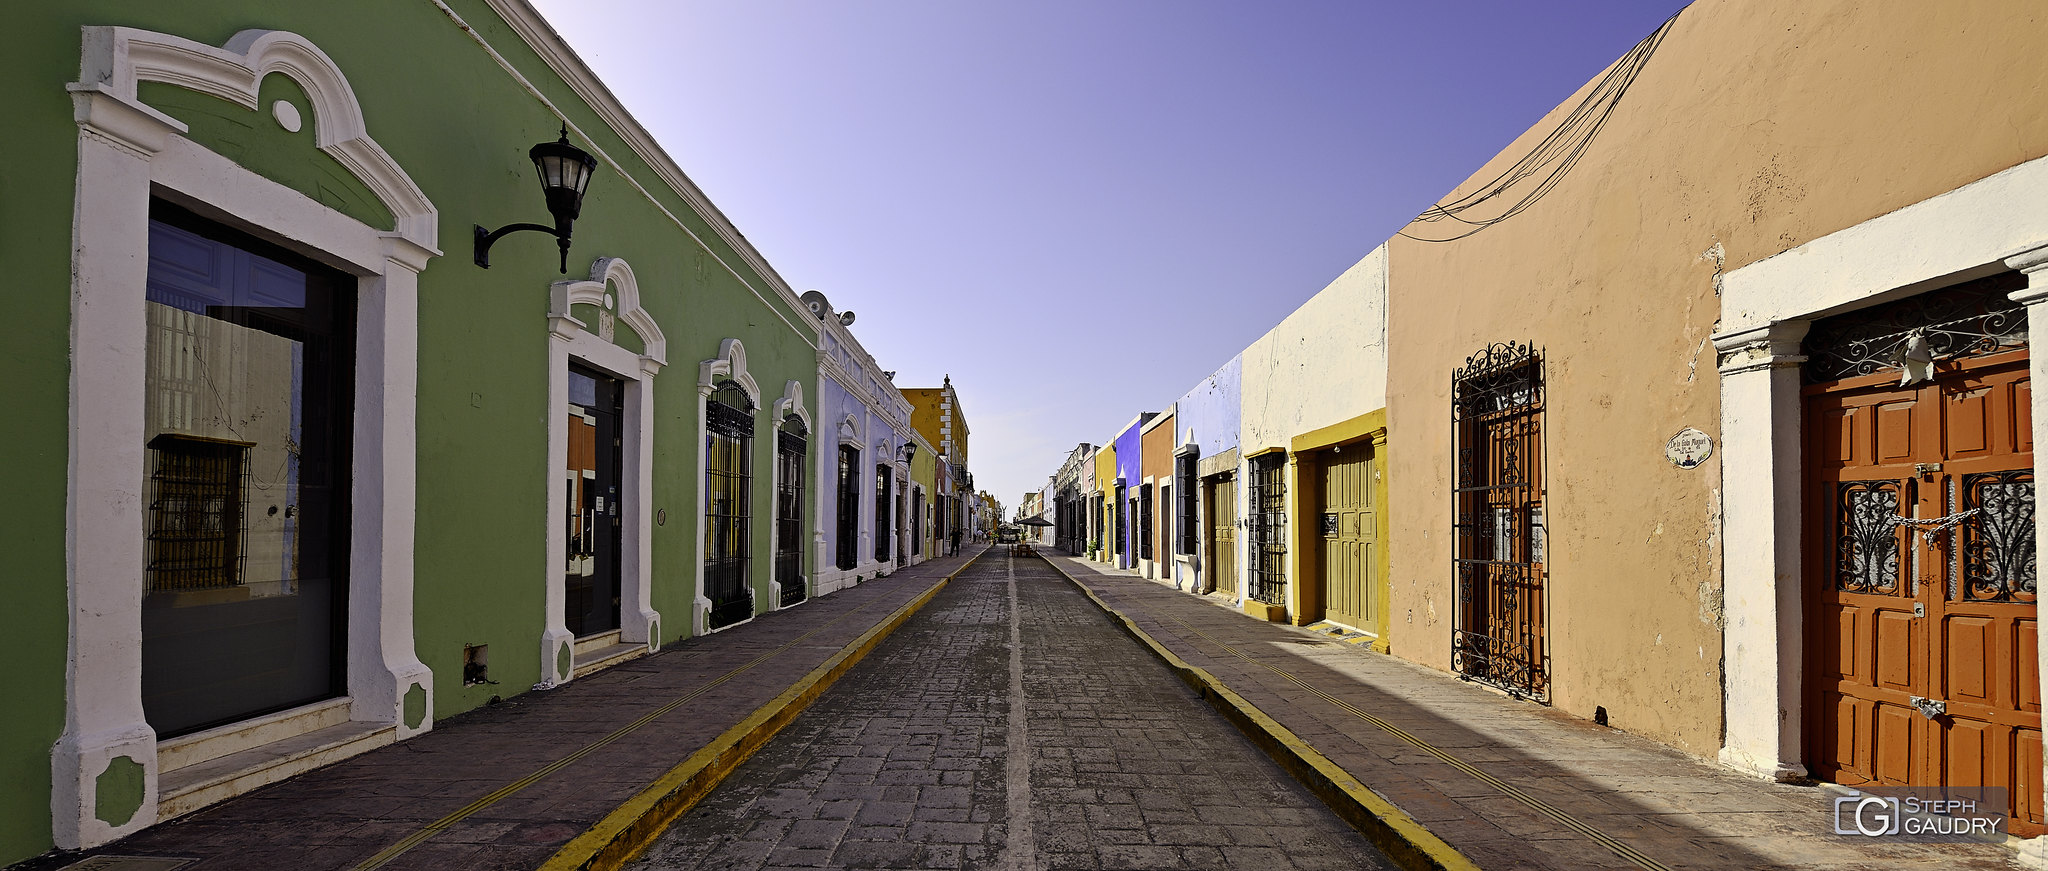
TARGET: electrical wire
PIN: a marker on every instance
(1553, 157)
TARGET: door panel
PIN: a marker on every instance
(1223, 532)
(1920, 566)
(1349, 532)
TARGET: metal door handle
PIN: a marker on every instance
(1929, 708)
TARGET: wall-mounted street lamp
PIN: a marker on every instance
(564, 175)
(909, 452)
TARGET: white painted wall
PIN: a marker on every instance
(1325, 363)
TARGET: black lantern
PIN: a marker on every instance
(564, 176)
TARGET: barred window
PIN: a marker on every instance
(1499, 633)
(729, 436)
(197, 487)
(885, 482)
(1269, 529)
(791, 449)
(1145, 521)
(849, 507)
(1184, 478)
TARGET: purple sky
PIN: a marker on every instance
(1079, 209)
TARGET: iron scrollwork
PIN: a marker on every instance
(1970, 319)
(1998, 542)
(1867, 539)
(1498, 635)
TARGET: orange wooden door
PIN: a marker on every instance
(1921, 568)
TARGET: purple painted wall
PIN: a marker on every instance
(1130, 470)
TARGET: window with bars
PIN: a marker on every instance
(197, 487)
(1498, 632)
(728, 439)
(791, 449)
(849, 508)
(1269, 529)
(1121, 509)
(885, 482)
(1144, 521)
(1188, 529)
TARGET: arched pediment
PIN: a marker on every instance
(730, 364)
(792, 404)
(117, 59)
(612, 272)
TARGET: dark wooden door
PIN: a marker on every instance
(1921, 578)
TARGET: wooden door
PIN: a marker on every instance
(1349, 529)
(1921, 575)
(1223, 532)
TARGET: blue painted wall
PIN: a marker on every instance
(1130, 470)
(1210, 412)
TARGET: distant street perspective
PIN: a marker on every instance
(1011, 724)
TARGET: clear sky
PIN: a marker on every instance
(1080, 209)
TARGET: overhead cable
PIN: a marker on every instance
(1552, 158)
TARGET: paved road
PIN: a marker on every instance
(917, 758)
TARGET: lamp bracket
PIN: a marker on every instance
(486, 238)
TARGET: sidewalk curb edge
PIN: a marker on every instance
(634, 824)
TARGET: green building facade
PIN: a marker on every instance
(359, 481)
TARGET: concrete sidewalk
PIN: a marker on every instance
(1507, 784)
(511, 785)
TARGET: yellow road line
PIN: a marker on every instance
(1533, 803)
(405, 844)
(630, 828)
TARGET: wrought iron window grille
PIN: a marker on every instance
(1499, 627)
(791, 449)
(1268, 582)
(727, 509)
(197, 496)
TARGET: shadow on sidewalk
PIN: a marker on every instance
(1532, 787)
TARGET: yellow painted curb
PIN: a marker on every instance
(1397, 834)
(632, 826)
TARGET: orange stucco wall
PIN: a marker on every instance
(1755, 127)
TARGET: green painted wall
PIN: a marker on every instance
(460, 126)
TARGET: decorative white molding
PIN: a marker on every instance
(610, 272)
(1978, 229)
(129, 152)
(570, 340)
(731, 363)
(117, 59)
(792, 405)
(1938, 241)
(1776, 346)
(792, 402)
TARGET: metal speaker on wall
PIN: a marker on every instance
(817, 303)
(846, 319)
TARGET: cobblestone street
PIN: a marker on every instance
(915, 758)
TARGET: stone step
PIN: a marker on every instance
(192, 787)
